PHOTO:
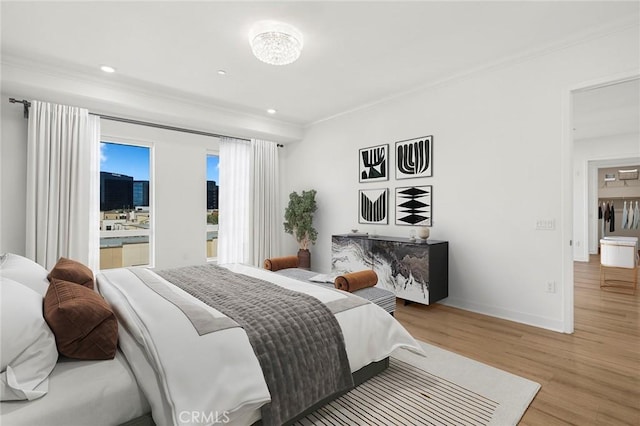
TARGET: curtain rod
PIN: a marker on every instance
(164, 126)
(27, 105)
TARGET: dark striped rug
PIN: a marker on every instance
(405, 395)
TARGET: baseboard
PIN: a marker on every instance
(494, 311)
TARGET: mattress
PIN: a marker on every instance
(82, 393)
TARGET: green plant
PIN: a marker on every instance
(299, 218)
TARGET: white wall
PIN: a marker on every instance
(498, 167)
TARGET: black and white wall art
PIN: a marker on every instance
(374, 163)
(414, 205)
(414, 158)
(373, 206)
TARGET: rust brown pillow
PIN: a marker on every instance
(284, 262)
(83, 323)
(72, 271)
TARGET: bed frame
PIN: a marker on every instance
(359, 377)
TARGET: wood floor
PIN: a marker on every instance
(591, 377)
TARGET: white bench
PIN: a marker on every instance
(619, 257)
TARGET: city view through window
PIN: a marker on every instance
(213, 173)
(125, 214)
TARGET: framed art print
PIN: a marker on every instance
(374, 163)
(414, 205)
(414, 158)
(373, 206)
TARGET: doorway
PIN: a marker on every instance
(604, 131)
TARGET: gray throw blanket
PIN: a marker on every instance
(295, 337)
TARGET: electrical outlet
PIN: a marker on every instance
(551, 286)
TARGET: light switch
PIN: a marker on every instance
(545, 224)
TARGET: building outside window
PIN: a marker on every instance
(212, 205)
(125, 211)
(141, 193)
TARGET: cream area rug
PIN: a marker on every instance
(442, 388)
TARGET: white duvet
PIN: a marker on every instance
(191, 379)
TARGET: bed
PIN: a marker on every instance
(189, 363)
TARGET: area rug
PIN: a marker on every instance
(442, 388)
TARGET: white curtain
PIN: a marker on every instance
(266, 220)
(249, 201)
(62, 185)
(235, 187)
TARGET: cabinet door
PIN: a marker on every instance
(402, 268)
(349, 254)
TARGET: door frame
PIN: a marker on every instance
(567, 188)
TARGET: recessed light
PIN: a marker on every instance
(271, 111)
(222, 72)
(107, 68)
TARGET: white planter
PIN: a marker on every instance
(423, 232)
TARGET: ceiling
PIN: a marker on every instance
(355, 54)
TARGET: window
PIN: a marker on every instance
(125, 210)
(212, 204)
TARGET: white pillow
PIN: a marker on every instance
(25, 271)
(28, 350)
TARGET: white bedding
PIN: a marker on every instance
(217, 374)
(82, 393)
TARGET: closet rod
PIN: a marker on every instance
(633, 197)
(27, 105)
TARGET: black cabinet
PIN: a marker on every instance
(417, 271)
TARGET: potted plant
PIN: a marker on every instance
(299, 223)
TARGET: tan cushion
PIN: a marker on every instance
(356, 280)
(83, 323)
(277, 263)
(72, 271)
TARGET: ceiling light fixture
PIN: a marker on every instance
(222, 72)
(271, 111)
(275, 43)
(107, 68)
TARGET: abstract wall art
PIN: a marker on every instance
(373, 206)
(414, 158)
(414, 205)
(374, 163)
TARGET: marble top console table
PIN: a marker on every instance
(416, 271)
